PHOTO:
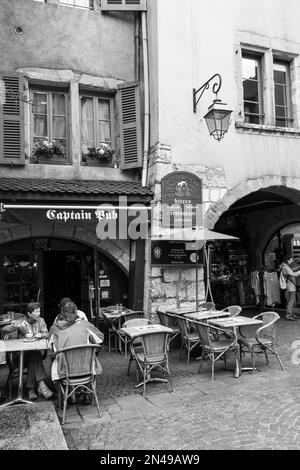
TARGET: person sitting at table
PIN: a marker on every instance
(66, 300)
(33, 325)
(69, 330)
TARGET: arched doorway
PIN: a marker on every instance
(47, 269)
(254, 218)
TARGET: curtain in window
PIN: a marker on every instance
(104, 132)
(40, 131)
(87, 123)
(59, 125)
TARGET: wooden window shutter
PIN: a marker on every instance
(121, 5)
(11, 119)
(130, 126)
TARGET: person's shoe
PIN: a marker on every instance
(290, 319)
(295, 317)
(44, 390)
(31, 394)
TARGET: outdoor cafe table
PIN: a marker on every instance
(206, 315)
(181, 310)
(134, 332)
(21, 345)
(115, 315)
(235, 323)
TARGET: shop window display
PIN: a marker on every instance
(229, 273)
(20, 284)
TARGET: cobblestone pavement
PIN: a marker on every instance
(260, 411)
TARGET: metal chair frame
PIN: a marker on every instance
(153, 356)
(263, 341)
(215, 349)
(233, 310)
(168, 320)
(188, 340)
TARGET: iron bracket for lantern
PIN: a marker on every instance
(216, 88)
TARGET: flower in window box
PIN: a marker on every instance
(48, 149)
(103, 153)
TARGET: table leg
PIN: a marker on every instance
(19, 399)
(238, 370)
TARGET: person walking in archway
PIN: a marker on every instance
(290, 277)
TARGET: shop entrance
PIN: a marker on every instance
(62, 274)
(246, 272)
(48, 269)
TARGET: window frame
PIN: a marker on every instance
(95, 97)
(49, 90)
(290, 118)
(89, 8)
(254, 55)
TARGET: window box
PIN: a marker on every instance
(100, 156)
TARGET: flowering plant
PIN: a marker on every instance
(48, 149)
(103, 153)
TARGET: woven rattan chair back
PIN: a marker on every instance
(208, 305)
(270, 323)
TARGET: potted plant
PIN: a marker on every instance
(45, 149)
(102, 154)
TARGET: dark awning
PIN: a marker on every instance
(81, 191)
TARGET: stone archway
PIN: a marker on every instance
(110, 248)
(291, 187)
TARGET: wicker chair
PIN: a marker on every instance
(168, 320)
(153, 356)
(216, 349)
(111, 331)
(233, 310)
(207, 306)
(79, 364)
(189, 339)
(136, 342)
(263, 340)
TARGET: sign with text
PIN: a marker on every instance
(173, 253)
(181, 197)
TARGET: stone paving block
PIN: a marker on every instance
(133, 401)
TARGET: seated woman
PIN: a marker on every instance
(35, 325)
(70, 330)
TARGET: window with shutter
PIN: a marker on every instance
(129, 5)
(11, 119)
(130, 126)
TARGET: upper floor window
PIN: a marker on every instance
(252, 91)
(79, 3)
(97, 129)
(282, 95)
(50, 126)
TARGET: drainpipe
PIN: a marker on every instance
(137, 46)
(146, 98)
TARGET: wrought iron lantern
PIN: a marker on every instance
(218, 117)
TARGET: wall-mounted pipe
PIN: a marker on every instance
(146, 98)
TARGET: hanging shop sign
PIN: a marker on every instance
(181, 196)
(170, 253)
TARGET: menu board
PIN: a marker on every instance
(170, 253)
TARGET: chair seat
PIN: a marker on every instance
(154, 359)
(193, 337)
(218, 345)
(78, 380)
(250, 342)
